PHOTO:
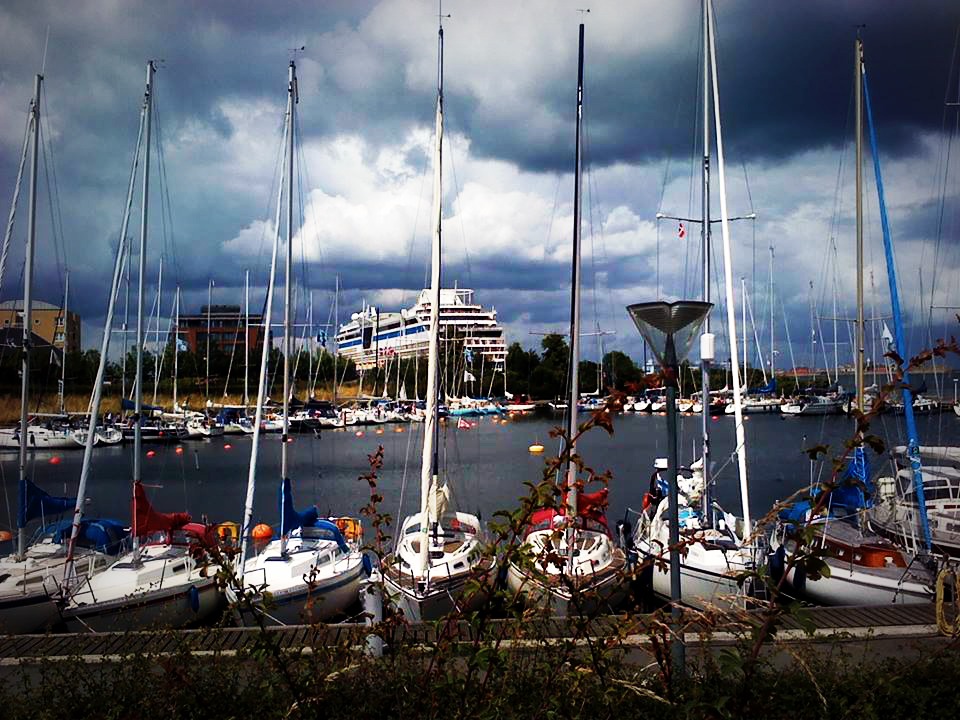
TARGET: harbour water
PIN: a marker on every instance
(487, 465)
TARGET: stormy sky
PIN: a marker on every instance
(367, 83)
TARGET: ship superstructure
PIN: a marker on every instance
(373, 336)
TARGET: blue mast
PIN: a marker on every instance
(913, 449)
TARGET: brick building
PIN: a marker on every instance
(48, 323)
(226, 325)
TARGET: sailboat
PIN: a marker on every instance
(160, 581)
(28, 576)
(865, 568)
(439, 549)
(575, 566)
(717, 549)
(313, 570)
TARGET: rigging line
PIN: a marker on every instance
(54, 198)
(592, 202)
(57, 244)
(413, 235)
(13, 203)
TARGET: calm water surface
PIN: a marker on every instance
(487, 465)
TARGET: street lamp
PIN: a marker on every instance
(670, 330)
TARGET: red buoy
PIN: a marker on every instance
(227, 446)
(151, 453)
(55, 460)
(261, 532)
(179, 450)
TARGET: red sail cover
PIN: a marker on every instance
(592, 506)
(147, 520)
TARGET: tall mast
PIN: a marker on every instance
(574, 377)
(336, 326)
(138, 400)
(262, 380)
(858, 65)
(122, 259)
(741, 447)
(246, 338)
(773, 373)
(63, 354)
(288, 281)
(429, 467)
(28, 308)
(210, 285)
(705, 244)
(156, 358)
(176, 345)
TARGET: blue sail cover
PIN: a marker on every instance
(290, 518)
(854, 489)
(101, 534)
(35, 503)
(131, 406)
(769, 389)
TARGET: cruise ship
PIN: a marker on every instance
(372, 337)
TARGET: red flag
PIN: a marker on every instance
(681, 232)
(463, 424)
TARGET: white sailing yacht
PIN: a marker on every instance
(718, 548)
(160, 581)
(313, 570)
(438, 549)
(864, 568)
(575, 566)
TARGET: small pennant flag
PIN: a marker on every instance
(681, 231)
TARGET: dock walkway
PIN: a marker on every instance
(896, 623)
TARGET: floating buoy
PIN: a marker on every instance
(151, 453)
(261, 532)
(359, 433)
(536, 448)
(398, 429)
(5, 536)
(715, 418)
(55, 460)
(179, 450)
(227, 446)
(289, 440)
(379, 431)
(504, 422)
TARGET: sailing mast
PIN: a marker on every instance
(287, 289)
(246, 338)
(728, 282)
(336, 325)
(858, 355)
(429, 466)
(574, 378)
(262, 377)
(63, 354)
(176, 345)
(121, 261)
(138, 398)
(28, 309)
(707, 337)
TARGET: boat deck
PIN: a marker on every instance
(842, 623)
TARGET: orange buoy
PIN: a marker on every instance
(151, 453)
(55, 460)
(289, 440)
(379, 431)
(261, 532)
(359, 433)
(398, 429)
(5, 535)
(227, 446)
(179, 450)
(536, 448)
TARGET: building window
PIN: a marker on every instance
(60, 321)
(58, 337)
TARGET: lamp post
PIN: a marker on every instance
(669, 330)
